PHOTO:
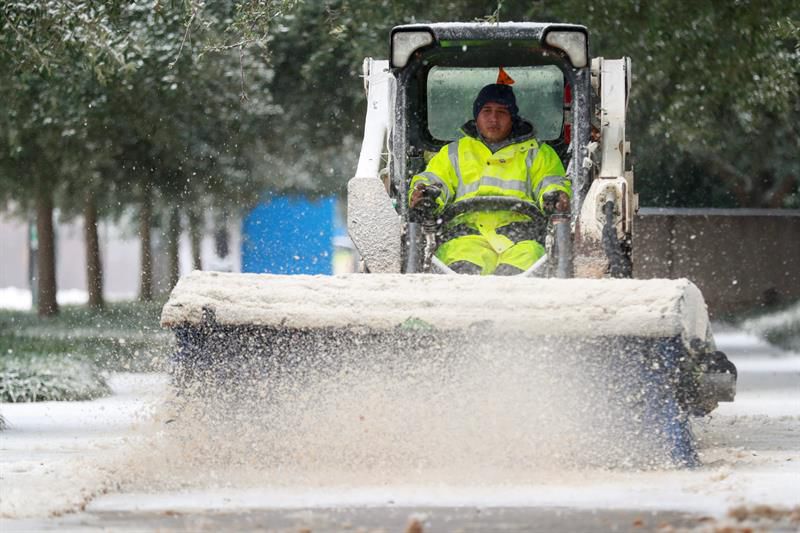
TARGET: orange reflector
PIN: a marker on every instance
(503, 78)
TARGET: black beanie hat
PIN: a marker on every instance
(499, 93)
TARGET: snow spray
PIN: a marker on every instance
(411, 406)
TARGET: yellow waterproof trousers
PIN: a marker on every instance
(487, 249)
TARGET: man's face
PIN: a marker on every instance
(494, 122)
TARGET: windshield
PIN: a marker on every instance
(451, 92)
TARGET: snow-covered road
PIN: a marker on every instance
(68, 465)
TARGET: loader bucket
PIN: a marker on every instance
(642, 347)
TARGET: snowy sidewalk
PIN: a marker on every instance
(61, 457)
(56, 456)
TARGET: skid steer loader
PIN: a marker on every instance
(647, 341)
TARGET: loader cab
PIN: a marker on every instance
(440, 68)
(450, 92)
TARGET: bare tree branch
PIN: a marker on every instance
(243, 95)
(185, 36)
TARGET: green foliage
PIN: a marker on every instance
(50, 50)
(121, 337)
(125, 98)
(780, 327)
(209, 103)
(47, 36)
(716, 87)
(317, 52)
(186, 124)
(715, 96)
(38, 378)
(62, 358)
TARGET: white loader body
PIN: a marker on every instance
(655, 333)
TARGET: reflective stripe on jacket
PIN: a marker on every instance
(521, 169)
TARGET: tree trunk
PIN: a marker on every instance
(48, 306)
(146, 266)
(221, 240)
(94, 266)
(775, 197)
(173, 242)
(196, 237)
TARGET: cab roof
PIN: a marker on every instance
(489, 31)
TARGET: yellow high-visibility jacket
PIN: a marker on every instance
(520, 167)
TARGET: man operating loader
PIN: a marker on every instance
(497, 156)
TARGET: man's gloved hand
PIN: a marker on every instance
(423, 197)
(555, 202)
(417, 195)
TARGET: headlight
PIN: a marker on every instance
(571, 42)
(405, 42)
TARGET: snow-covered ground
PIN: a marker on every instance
(20, 299)
(70, 457)
(56, 456)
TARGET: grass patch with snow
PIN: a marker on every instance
(50, 378)
(778, 327)
(125, 336)
(64, 357)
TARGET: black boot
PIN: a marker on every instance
(465, 267)
(507, 270)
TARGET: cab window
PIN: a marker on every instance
(451, 92)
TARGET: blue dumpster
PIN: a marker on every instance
(289, 235)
